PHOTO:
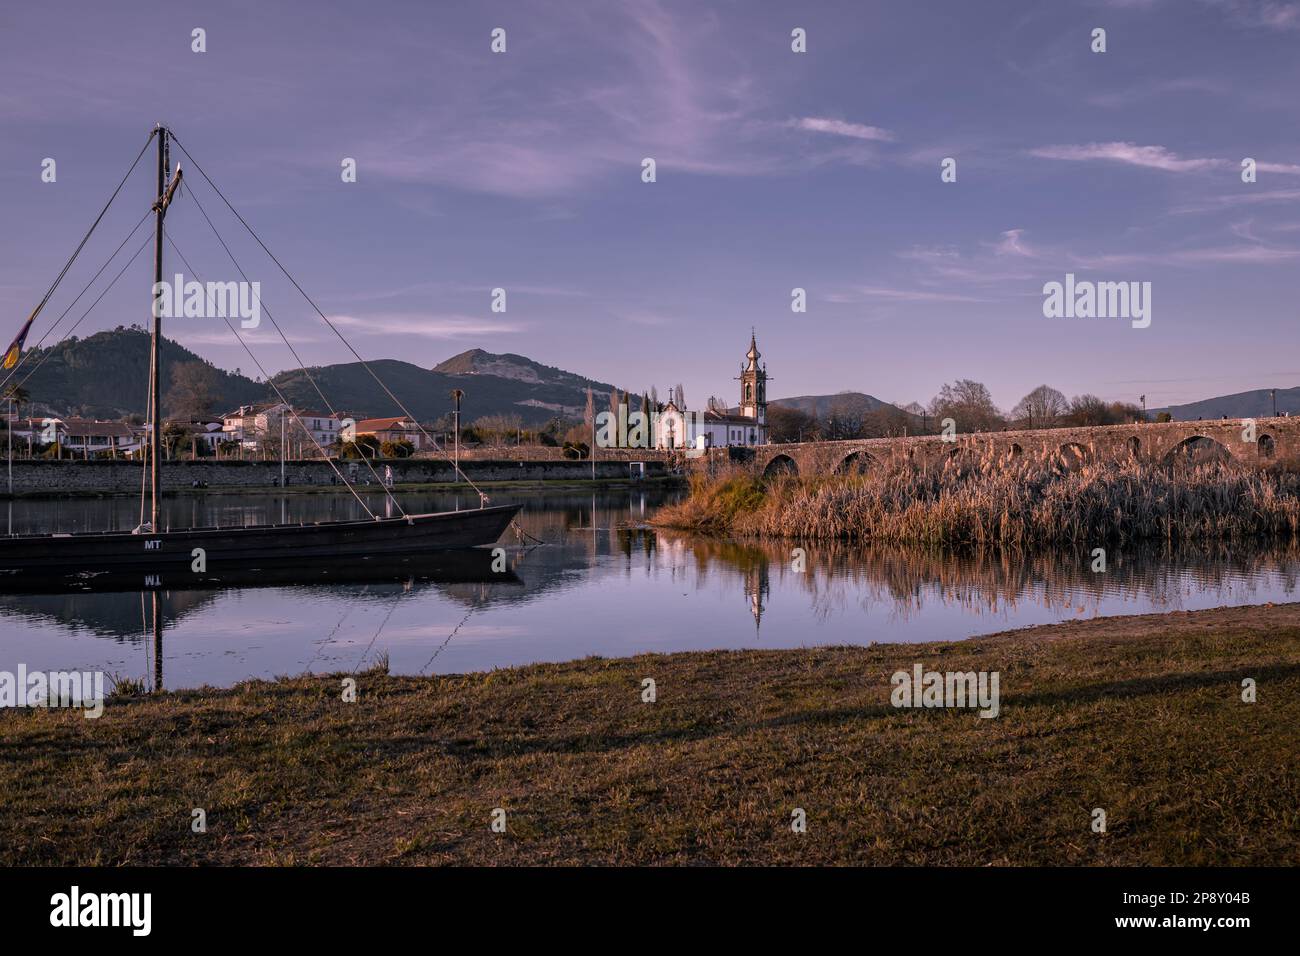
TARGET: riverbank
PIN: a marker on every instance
(1024, 502)
(1139, 716)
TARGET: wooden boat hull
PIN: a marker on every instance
(254, 546)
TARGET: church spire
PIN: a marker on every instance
(753, 354)
(753, 384)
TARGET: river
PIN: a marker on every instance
(601, 584)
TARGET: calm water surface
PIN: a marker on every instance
(601, 584)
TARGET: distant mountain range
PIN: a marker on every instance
(1253, 404)
(106, 375)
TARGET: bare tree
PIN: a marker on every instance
(496, 429)
(1088, 410)
(969, 404)
(843, 420)
(1041, 408)
(791, 424)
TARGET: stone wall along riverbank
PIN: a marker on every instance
(43, 477)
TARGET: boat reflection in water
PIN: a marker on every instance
(173, 594)
(450, 566)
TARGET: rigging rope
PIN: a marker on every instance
(59, 321)
(483, 498)
(84, 239)
(193, 272)
(90, 308)
(294, 352)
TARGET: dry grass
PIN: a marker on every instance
(1023, 502)
(1139, 716)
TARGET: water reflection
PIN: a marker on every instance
(836, 575)
(602, 584)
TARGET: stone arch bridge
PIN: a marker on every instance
(1155, 443)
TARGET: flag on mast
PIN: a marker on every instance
(16, 346)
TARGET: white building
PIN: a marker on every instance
(77, 437)
(250, 423)
(324, 428)
(713, 428)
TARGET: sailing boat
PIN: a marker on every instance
(152, 550)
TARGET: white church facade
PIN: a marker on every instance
(713, 428)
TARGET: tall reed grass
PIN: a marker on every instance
(998, 501)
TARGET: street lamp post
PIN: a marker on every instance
(456, 395)
(283, 450)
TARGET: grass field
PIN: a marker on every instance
(1141, 717)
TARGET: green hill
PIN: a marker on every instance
(493, 385)
(106, 376)
(821, 406)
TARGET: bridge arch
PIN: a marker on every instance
(780, 465)
(855, 463)
(1197, 450)
(1267, 447)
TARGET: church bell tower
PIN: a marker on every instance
(753, 385)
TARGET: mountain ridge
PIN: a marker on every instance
(1255, 403)
(105, 375)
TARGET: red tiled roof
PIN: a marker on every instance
(384, 424)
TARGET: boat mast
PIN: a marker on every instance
(155, 343)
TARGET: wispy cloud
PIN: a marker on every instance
(423, 325)
(866, 293)
(219, 335)
(1013, 245)
(1247, 196)
(1286, 169)
(1150, 157)
(645, 82)
(1135, 94)
(821, 124)
(984, 268)
(1266, 14)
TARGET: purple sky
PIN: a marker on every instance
(775, 170)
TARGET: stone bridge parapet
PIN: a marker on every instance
(1249, 441)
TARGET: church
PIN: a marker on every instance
(716, 428)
